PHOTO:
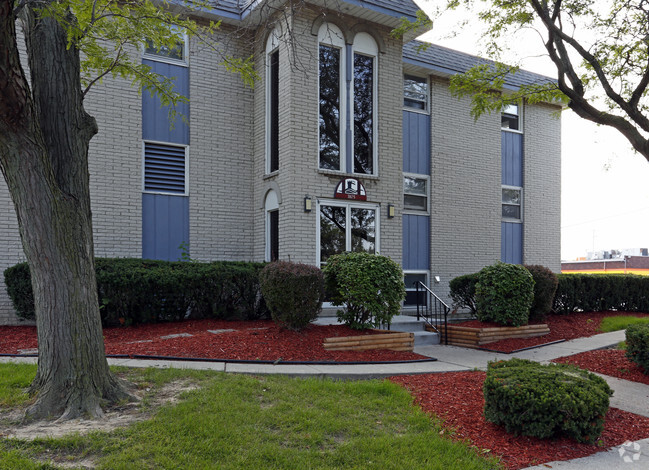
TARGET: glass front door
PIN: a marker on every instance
(346, 226)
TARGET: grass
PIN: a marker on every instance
(272, 422)
(620, 323)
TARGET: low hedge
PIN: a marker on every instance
(637, 345)
(462, 291)
(545, 287)
(601, 292)
(504, 294)
(369, 286)
(133, 291)
(293, 292)
(546, 400)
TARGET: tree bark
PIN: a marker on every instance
(44, 139)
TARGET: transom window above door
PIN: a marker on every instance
(346, 227)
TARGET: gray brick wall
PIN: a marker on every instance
(220, 154)
(465, 188)
(298, 174)
(542, 187)
(227, 180)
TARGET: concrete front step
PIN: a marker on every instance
(418, 327)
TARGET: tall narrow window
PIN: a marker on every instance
(274, 111)
(175, 52)
(363, 114)
(330, 141)
(271, 207)
(273, 221)
(364, 105)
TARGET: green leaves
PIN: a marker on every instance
(369, 286)
(111, 35)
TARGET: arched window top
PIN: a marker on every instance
(364, 43)
(331, 34)
(272, 202)
(272, 42)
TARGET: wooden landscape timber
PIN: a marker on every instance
(394, 341)
(470, 337)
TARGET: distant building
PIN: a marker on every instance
(625, 265)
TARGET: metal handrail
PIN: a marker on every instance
(434, 311)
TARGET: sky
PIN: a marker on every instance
(604, 183)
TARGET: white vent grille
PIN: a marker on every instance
(164, 168)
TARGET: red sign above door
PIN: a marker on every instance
(350, 188)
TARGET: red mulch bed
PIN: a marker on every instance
(611, 362)
(456, 398)
(258, 340)
(562, 327)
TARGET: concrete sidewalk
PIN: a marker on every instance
(628, 396)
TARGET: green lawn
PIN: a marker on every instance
(244, 422)
(620, 323)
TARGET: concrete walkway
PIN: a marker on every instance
(628, 396)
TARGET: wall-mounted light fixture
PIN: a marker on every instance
(307, 204)
(390, 211)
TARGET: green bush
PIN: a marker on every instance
(637, 345)
(601, 293)
(293, 292)
(545, 286)
(462, 291)
(133, 291)
(546, 400)
(504, 294)
(19, 287)
(369, 286)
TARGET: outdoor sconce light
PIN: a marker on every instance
(307, 204)
(390, 211)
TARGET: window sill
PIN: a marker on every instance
(165, 60)
(416, 111)
(513, 131)
(340, 174)
(271, 175)
(512, 221)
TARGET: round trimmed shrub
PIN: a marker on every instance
(504, 294)
(546, 400)
(462, 291)
(637, 345)
(369, 286)
(293, 292)
(545, 286)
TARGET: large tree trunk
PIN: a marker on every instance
(44, 138)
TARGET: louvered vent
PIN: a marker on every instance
(164, 168)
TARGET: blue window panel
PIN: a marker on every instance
(165, 226)
(511, 243)
(416, 241)
(416, 143)
(156, 123)
(512, 158)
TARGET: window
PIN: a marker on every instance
(165, 168)
(346, 227)
(511, 203)
(510, 119)
(272, 103)
(344, 68)
(272, 226)
(410, 279)
(415, 92)
(175, 54)
(330, 135)
(415, 193)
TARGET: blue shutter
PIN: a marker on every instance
(416, 241)
(164, 168)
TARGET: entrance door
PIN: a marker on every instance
(346, 226)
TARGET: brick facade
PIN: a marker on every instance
(227, 169)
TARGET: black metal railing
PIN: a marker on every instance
(433, 310)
